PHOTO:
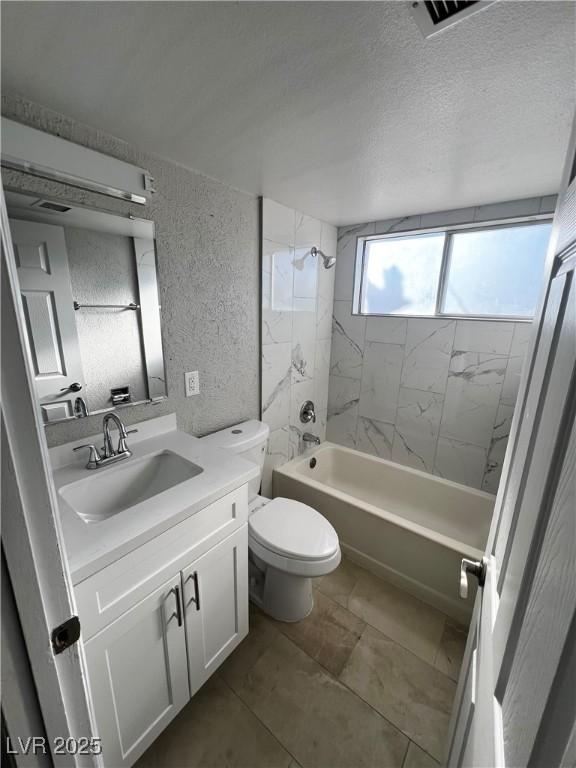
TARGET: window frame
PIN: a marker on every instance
(448, 231)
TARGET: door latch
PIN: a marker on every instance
(476, 568)
(65, 635)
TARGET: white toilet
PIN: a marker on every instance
(289, 542)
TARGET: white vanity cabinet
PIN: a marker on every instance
(159, 621)
(138, 673)
(214, 588)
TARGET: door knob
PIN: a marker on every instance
(74, 387)
(476, 568)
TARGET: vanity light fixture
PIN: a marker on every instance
(50, 157)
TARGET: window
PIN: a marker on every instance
(494, 271)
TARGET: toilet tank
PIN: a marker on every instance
(247, 439)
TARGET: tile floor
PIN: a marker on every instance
(366, 681)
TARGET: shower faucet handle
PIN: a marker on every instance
(307, 413)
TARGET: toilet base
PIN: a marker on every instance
(286, 597)
(283, 595)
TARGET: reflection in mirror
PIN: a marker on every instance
(89, 290)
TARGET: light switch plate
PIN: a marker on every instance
(191, 383)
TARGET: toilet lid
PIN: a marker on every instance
(293, 529)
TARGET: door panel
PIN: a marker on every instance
(522, 550)
(523, 706)
(468, 699)
(44, 276)
(544, 360)
(41, 323)
(547, 620)
(215, 593)
(138, 674)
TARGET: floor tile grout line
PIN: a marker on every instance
(396, 642)
(447, 618)
(411, 741)
(336, 680)
(373, 707)
(406, 753)
(249, 708)
(386, 719)
(389, 583)
(297, 644)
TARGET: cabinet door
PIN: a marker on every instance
(138, 674)
(215, 589)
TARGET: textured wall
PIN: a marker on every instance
(436, 394)
(297, 298)
(208, 260)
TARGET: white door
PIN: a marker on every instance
(138, 675)
(516, 702)
(44, 277)
(215, 592)
(32, 538)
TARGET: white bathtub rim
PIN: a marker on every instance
(310, 453)
(290, 470)
(452, 607)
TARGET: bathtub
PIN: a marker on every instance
(407, 526)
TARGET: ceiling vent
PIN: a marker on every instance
(433, 16)
(48, 205)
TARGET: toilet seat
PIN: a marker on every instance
(292, 565)
(294, 530)
(294, 538)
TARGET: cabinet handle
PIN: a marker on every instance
(196, 598)
(178, 611)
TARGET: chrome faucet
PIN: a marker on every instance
(80, 408)
(308, 437)
(107, 455)
(109, 451)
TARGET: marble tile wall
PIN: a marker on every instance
(435, 394)
(297, 305)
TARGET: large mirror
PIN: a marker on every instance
(89, 290)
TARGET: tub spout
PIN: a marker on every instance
(307, 437)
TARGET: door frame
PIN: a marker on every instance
(32, 536)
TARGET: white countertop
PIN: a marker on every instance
(92, 546)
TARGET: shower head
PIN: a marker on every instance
(329, 261)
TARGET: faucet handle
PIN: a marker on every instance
(122, 447)
(94, 459)
(308, 413)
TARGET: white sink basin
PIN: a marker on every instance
(115, 489)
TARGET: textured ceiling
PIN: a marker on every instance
(341, 110)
